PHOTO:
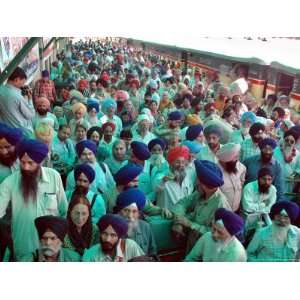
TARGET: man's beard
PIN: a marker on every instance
(230, 167)
(266, 158)
(263, 189)
(213, 147)
(29, 183)
(256, 140)
(8, 160)
(42, 112)
(179, 175)
(108, 247)
(81, 190)
(132, 225)
(280, 231)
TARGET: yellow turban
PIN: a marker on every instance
(193, 119)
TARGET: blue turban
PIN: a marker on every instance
(213, 129)
(209, 173)
(92, 104)
(193, 132)
(290, 207)
(107, 103)
(140, 150)
(127, 174)
(35, 149)
(267, 142)
(86, 144)
(193, 146)
(175, 116)
(118, 223)
(255, 128)
(233, 223)
(248, 115)
(45, 73)
(132, 195)
(157, 141)
(87, 170)
(57, 225)
(12, 135)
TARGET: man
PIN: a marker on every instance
(265, 159)
(212, 134)
(16, 110)
(106, 144)
(278, 115)
(258, 198)
(113, 245)
(9, 139)
(172, 127)
(142, 133)
(194, 213)
(104, 182)
(248, 118)
(84, 176)
(195, 133)
(178, 183)
(249, 147)
(139, 155)
(45, 87)
(52, 231)
(234, 173)
(42, 106)
(220, 244)
(130, 203)
(289, 158)
(33, 191)
(280, 241)
(63, 153)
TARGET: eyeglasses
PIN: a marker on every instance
(290, 141)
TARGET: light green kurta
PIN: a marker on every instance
(206, 250)
(51, 200)
(201, 211)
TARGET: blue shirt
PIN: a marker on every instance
(254, 164)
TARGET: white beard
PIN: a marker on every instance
(280, 233)
(132, 226)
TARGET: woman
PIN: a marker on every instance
(82, 234)
(80, 134)
(118, 158)
(95, 134)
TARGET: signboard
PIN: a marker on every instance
(31, 62)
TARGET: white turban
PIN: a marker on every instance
(229, 152)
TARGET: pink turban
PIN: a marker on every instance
(229, 152)
(42, 101)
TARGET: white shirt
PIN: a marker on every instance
(170, 192)
(51, 200)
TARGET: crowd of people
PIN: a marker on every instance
(112, 136)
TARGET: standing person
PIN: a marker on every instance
(82, 233)
(51, 231)
(45, 87)
(193, 214)
(234, 173)
(79, 111)
(113, 245)
(9, 139)
(17, 110)
(265, 159)
(33, 191)
(220, 244)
